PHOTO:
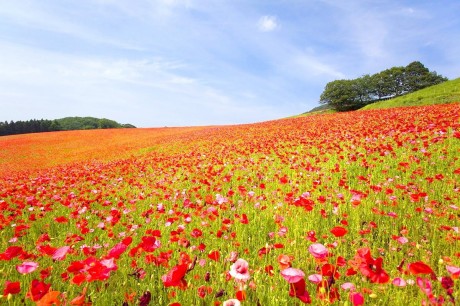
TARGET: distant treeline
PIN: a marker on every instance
(344, 95)
(64, 124)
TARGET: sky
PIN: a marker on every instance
(155, 63)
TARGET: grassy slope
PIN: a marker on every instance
(447, 92)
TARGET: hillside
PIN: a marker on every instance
(446, 92)
(89, 123)
(63, 124)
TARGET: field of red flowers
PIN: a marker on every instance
(353, 208)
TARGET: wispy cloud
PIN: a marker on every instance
(268, 23)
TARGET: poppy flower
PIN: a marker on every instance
(330, 270)
(348, 286)
(50, 298)
(60, 253)
(284, 261)
(420, 267)
(399, 282)
(232, 302)
(241, 295)
(315, 278)
(80, 300)
(356, 298)
(298, 290)
(454, 271)
(117, 250)
(37, 290)
(339, 231)
(11, 252)
(175, 276)
(318, 250)
(27, 267)
(239, 270)
(214, 255)
(145, 299)
(372, 268)
(11, 288)
(292, 275)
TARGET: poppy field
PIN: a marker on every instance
(358, 208)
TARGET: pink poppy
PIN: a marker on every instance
(356, 298)
(60, 253)
(348, 286)
(454, 271)
(318, 250)
(232, 302)
(399, 282)
(292, 275)
(315, 278)
(27, 267)
(117, 250)
(239, 270)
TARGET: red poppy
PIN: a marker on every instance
(284, 261)
(11, 252)
(330, 270)
(12, 288)
(370, 267)
(196, 233)
(299, 291)
(117, 250)
(175, 277)
(420, 267)
(50, 298)
(241, 295)
(80, 300)
(339, 231)
(37, 290)
(214, 255)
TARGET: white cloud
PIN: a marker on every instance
(268, 23)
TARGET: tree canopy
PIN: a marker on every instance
(63, 124)
(344, 95)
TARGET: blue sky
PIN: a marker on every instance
(201, 62)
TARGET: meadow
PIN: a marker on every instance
(358, 208)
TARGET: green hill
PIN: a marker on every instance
(446, 92)
(88, 123)
(63, 124)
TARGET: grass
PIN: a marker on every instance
(447, 92)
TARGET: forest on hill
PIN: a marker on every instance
(346, 95)
(63, 124)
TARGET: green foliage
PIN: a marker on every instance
(64, 124)
(30, 126)
(345, 95)
(87, 123)
(447, 92)
(342, 95)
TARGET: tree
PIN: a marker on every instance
(343, 95)
(107, 124)
(417, 76)
(381, 85)
(396, 81)
(362, 89)
(340, 95)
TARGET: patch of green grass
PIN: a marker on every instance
(447, 92)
